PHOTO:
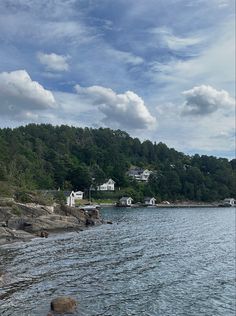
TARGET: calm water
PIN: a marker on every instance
(149, 262)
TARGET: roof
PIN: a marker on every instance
(125, 198)
(149, 198)
(110, 180)
(67, 193)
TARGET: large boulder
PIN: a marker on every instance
(50, 223)
(63, 304)
(16, 222)
(81, 214)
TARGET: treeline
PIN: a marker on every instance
(51, 157)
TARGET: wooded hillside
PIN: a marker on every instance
(48, 157)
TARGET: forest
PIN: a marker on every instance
(41, 157)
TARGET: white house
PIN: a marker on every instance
(139, 174)
(150, 201)
(107, 186)
(145, 175)
(72, 196)
(125, 201)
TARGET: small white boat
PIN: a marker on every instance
(228, 202)
(90, 207)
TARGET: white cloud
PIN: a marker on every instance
(53, 61)
(165, 37)
(204, 99)
(14, 25)
(22, 98)
(215, 65)
(126, 110)
(209, 134)
(126, 57)
(210, 129)
(223, 3)
(74, 110)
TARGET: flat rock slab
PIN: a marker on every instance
(9, 235)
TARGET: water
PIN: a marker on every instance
(149, 262)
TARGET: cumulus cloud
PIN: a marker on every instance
(22, 98)
(204, 99)
(126, 110)
(53, 61)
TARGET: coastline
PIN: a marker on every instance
(174, 205)
(33, 220)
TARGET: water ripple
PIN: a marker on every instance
(150, 262)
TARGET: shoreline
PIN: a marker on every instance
(32, 221)
(162, 206)
(25, 227)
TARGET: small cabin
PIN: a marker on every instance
(125, 201)
(150, 201)
(72, 196)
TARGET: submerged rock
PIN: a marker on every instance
(63, 304)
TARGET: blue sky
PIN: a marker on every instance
(161, 70)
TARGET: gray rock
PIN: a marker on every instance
(8, 235)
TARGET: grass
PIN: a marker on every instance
(6, 189)
(104, 201)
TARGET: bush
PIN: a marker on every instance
(16, 210)
(33, 197)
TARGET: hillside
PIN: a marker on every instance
(48, 157)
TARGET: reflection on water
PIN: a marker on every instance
(149, 262)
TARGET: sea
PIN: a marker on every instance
(150, 261)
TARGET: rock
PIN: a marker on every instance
(44, 234)
(63, 305)
(89, 222)
(51, 222)
(25, 221)
(16, 223)
(5, 213)
(5, 235)
(109, 222)
(9, 235)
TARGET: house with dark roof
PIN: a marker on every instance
(150, 201)
(125, 201)
(139, 174)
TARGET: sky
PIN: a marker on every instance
(162, 70)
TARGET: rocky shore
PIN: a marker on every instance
(22, 222)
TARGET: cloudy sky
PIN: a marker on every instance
(162, 70)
